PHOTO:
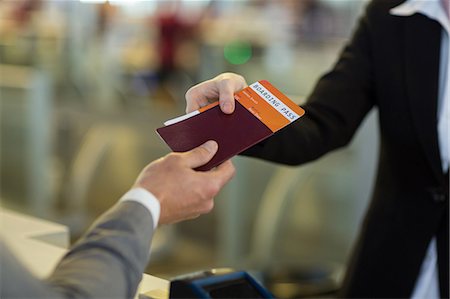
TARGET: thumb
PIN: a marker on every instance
(226, 100)
(227, 84)
(201, 155)
(226, 96)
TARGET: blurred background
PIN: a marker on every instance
(84, 85)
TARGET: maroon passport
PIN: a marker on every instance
(234, 133)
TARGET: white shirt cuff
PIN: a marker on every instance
(146, 199)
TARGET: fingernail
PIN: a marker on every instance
(211, 146)
(227, 107)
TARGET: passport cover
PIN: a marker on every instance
(260, 111)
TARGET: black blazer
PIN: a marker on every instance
(391, 63)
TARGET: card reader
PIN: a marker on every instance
(217, 283)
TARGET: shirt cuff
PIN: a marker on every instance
(146, 199)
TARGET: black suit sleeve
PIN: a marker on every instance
(334, 110)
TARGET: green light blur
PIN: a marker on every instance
(237, 52)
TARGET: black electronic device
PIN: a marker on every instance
(217, 283)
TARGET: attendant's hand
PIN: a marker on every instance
(183, 192)
(220, 88)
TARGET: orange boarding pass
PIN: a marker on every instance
(269, 105)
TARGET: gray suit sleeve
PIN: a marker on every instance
(107, 262)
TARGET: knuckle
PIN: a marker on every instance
(230, 77)
(226, 82)
(216, 188)
(208, 207)
(221, 76)
(212, 189)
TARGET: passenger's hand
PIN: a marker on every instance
(220, 88)
(183, 192)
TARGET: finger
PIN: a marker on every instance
(200, 155)
(195, 103)
(227, 88)
(228, 84)
(201, 95)
(221, 87)
(224, 172)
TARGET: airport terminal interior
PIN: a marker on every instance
(84, 85)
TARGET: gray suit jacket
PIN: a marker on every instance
(107, 262)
